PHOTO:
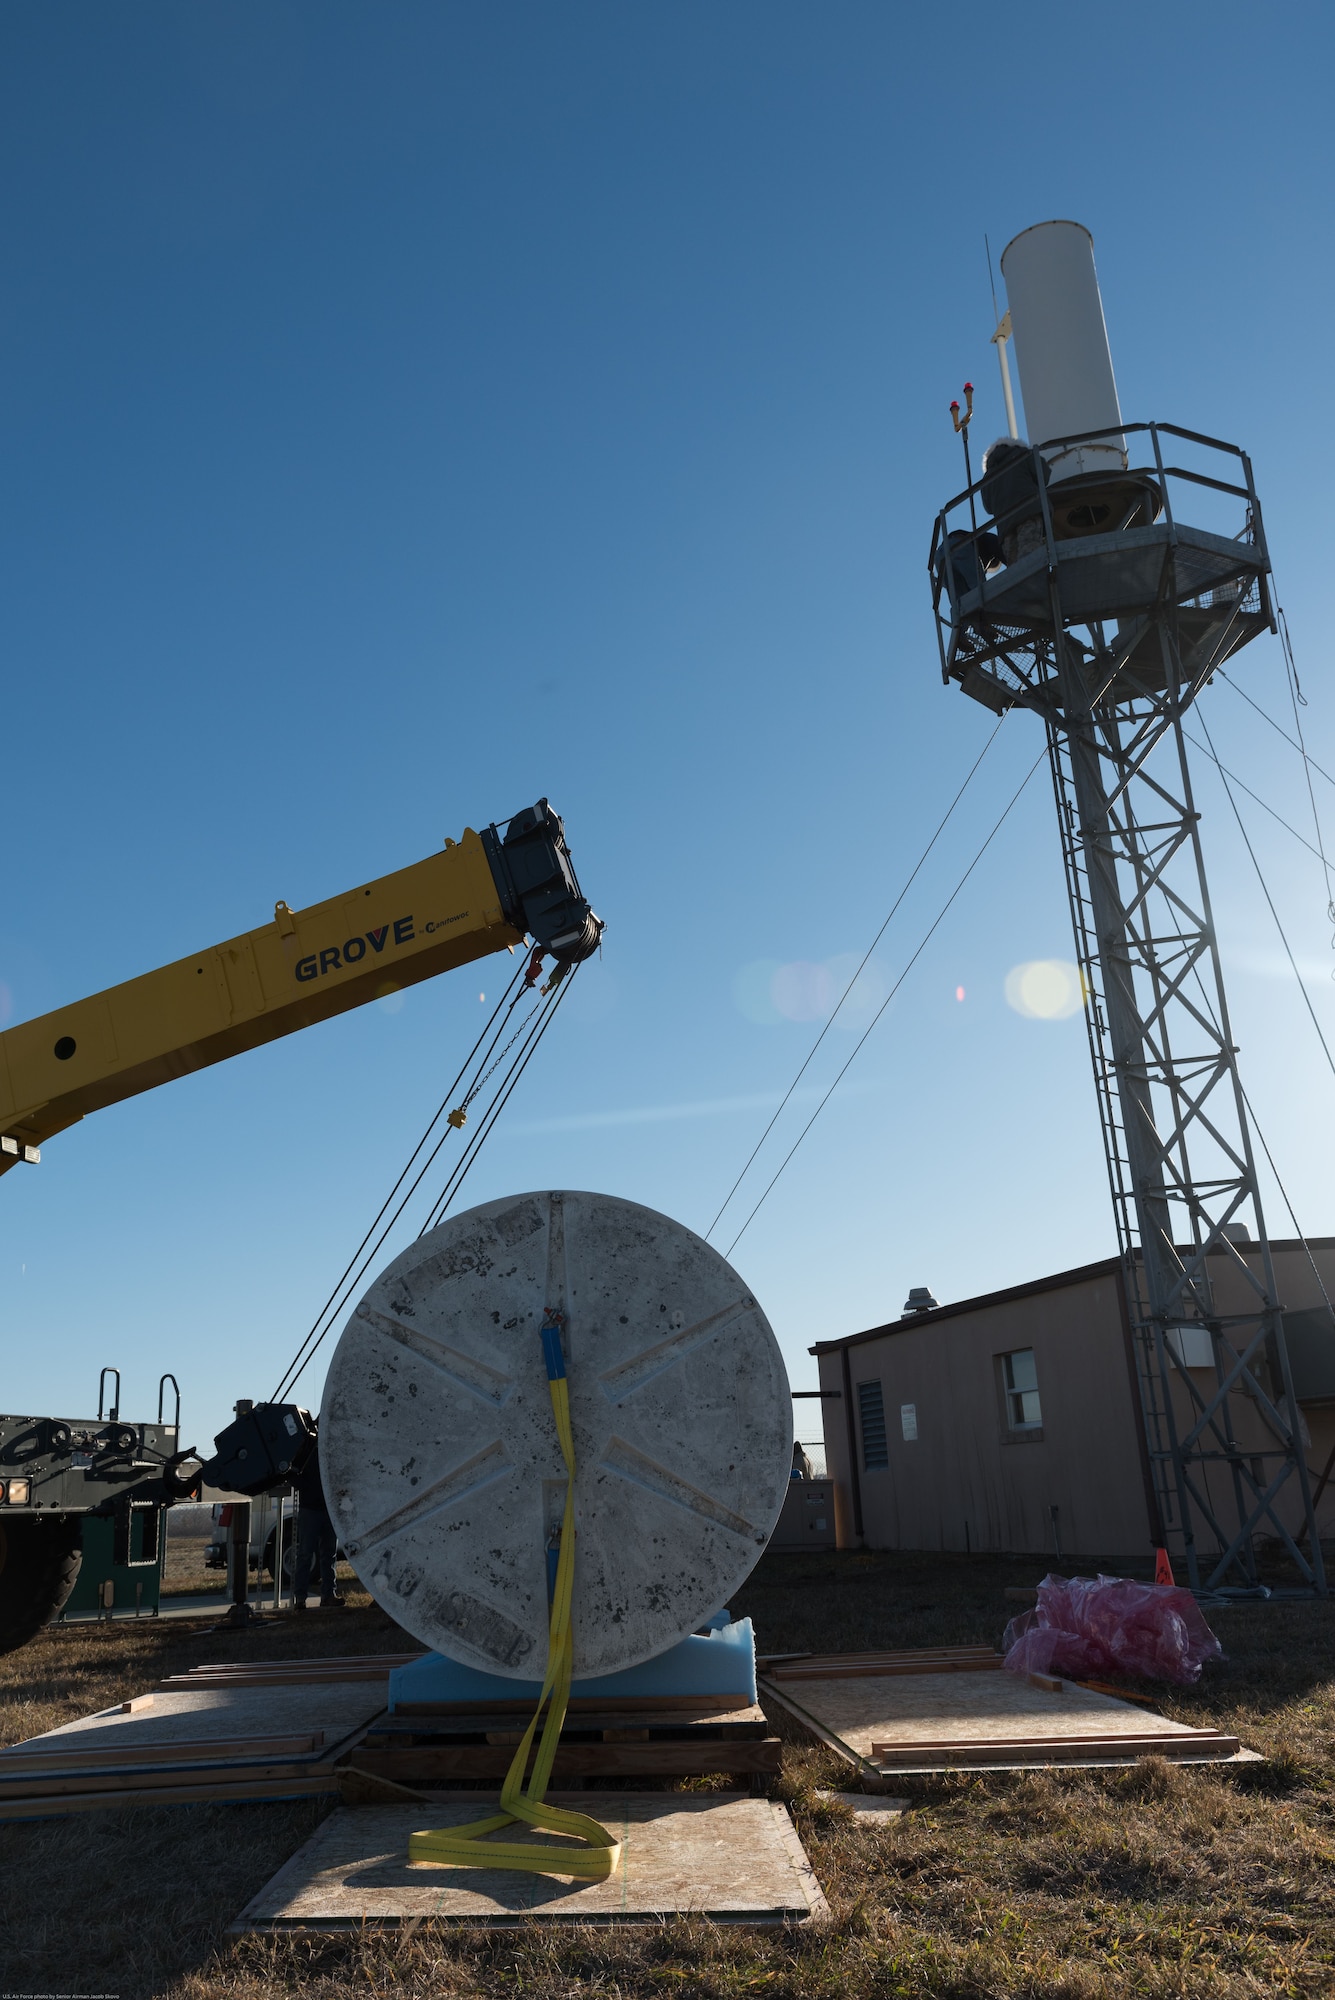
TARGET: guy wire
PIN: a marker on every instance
(1265, 891)
(917, 954)
(917, 867)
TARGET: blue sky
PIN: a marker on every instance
(409, 411)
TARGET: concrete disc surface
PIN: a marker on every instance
(439, 1449)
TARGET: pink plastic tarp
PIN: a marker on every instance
(1085, 1627)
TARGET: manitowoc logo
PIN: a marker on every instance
(335, 957)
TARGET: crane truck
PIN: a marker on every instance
(485, 892)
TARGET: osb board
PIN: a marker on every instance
(734, 1860)
(935, 1710)
(181, 1716)
(840, 1666)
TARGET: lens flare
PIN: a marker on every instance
(769, 992)
(959, 992)
(1045, 989)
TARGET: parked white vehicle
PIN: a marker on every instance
(264, 1525)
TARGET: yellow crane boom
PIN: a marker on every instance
(483, 893)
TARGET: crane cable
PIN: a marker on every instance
(507, 1085)
(431, 1126)
(468, 1846)
(481, 1067)
(912, 961)
(917, 869)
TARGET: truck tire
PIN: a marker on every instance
(289, 1553)
(39, 1562)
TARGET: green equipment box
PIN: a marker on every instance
(103, 1583)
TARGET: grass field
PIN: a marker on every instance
(1156, 1881)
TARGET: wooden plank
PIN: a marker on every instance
(771, 1662)
(240, 1792)
(749, 1721)
(35, 1755)
(578, 1705)
(422, 1766)
(1061, 1741)
(852, 1666)
(732, 1860)
(879, 1671)
(172, 1779)
(317, 1663)
(896, 1755)
(180, 1683)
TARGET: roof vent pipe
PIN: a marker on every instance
(1061, 346)
(920, 1300)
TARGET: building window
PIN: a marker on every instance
(871, 1412)
(908, 1422)
(1023, 1411)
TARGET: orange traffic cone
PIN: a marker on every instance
(1163, 1569)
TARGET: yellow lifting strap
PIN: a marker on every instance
(469, 1846)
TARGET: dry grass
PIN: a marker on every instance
(1156, 1882)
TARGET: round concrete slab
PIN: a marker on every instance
(440, 1455)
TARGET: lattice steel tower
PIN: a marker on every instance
(1090, 579)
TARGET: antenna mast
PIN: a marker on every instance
(999, 341)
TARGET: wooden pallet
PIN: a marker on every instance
(612, 1739)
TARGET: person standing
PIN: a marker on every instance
(317, 1541)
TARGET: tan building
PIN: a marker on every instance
(1011, 1421)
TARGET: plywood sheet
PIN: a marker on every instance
(734, 1860)
(929, 1721)
(182, 1716)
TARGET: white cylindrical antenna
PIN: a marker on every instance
(999, 340)
(1061, 346)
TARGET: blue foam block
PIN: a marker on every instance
(723, 1662)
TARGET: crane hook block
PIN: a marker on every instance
(535, 880)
